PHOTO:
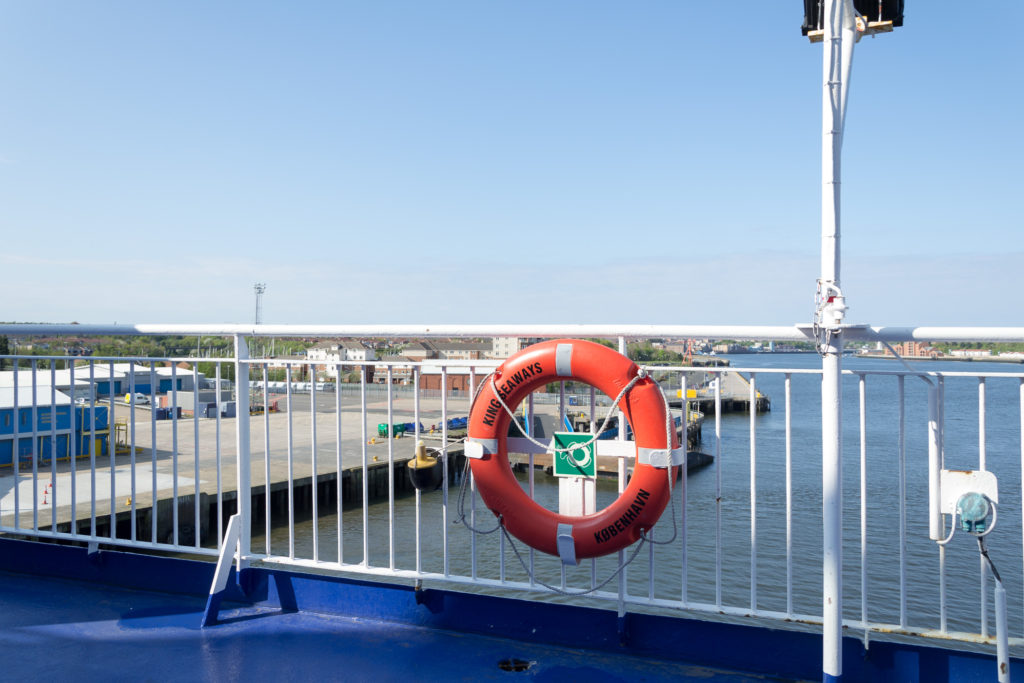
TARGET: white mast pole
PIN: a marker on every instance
(838, 41)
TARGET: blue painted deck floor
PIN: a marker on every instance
(56, 628)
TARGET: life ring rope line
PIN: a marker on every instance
(562, 591)
(532, 574)
(641, 373)
(668, 472)
(461, 505)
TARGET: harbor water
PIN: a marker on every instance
(695, 572)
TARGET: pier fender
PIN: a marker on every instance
(648, 492)
(425, 471)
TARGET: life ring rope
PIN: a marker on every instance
(641, 373)
(460, 508)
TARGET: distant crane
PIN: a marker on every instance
(259, 288)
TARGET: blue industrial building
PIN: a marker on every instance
(53, 427)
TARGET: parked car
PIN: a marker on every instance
(140, 399)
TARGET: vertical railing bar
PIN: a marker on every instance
(862, 388)
(942, 421)
(901, 449)
(391, 468)
(942, 549)
(243, 447)
(718, 490)
(132, 407)
(530, 477)
(561, 407)
(35, 450)
(366, 467)
(942, 588)
(266, 460)
(152, 452)
(217, 452)
(112, 447)
(685, 418)
(92, 448)
(1020, 435)
(339, 464)
(593, 430)
(472, 483)
(444, 448)
(789, 493)
(16, 454)
(174, 451)
(621, 555)
(753, 493)
(983, 568)
(560, 427)
(53, 446)
(195, 452)
(73, 439)
(1020, 392)
(314, 481)
(650, 546)
(291, 462)
(419, 494)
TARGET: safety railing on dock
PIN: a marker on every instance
(157, 454)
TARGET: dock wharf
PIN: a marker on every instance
(189, 472)
(735, 395)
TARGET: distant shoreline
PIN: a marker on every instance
(969, 359)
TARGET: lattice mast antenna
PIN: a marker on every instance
(259, 288)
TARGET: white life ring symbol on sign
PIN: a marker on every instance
(577, 461)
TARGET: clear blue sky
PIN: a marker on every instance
(499, 161)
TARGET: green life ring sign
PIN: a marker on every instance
(579, 460)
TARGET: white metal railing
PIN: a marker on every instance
(749, 534)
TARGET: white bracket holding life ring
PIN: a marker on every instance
(656, 457)
(478, 448)
(660, 457)
(566, 545)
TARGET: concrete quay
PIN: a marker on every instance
(186, 453)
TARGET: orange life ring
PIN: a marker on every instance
(649, 490)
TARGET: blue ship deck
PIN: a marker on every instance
(115, 615)
(60, 626)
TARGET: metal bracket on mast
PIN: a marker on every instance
(829, 310)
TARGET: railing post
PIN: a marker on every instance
(243, 458)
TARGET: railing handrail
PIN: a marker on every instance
(796, 332)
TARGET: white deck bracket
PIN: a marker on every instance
(229, 551)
